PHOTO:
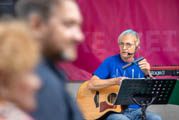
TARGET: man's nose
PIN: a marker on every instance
(79, 35)
(124, 47)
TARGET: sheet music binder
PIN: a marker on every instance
(145, 90)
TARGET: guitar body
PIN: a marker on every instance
(96, 104)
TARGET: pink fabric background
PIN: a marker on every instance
(157, 22)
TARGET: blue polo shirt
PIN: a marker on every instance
(111, 67)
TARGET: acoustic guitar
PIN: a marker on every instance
(97, 104)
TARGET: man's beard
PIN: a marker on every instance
(63, 56)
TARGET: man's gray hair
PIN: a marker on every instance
(129, 31)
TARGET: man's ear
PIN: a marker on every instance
(137, 48)
(35, 21)
(37, 24)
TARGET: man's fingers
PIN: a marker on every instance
(141, 66)
(143, 63)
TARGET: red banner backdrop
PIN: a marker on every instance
(156, 21)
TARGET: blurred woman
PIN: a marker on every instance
(19, 54)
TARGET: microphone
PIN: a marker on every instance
(132, 63)
(131, 53)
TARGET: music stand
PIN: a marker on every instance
(145, 92)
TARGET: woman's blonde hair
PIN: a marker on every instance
(19, 52)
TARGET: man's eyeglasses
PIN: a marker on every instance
(127, 45)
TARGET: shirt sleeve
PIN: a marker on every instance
(103, 70)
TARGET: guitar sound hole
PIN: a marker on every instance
(112, 98)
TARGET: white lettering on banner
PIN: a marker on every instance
(155, 41)
(170, 35)
(151, 41)
(98, 43)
